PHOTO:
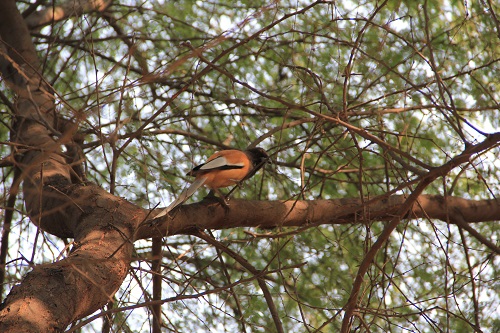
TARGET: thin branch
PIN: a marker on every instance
(352, 303)
(260, 279)
(7, 222)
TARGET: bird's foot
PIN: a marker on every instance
(192, 230)
(220, 199)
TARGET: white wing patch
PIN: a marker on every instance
(218, 162)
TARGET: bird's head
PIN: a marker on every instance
(258, 156)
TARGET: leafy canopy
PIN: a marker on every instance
(160, 85)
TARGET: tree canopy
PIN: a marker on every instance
(377, 210)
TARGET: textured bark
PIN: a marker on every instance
(270, 214)
(53, 295)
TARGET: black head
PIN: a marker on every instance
(258, 156)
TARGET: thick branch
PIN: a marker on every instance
(53, 295)
(41, 163)
(270, 214)
(70, 8)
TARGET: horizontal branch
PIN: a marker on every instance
(302, 213)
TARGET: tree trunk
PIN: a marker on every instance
(53, 295)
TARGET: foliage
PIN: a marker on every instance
(162, 85)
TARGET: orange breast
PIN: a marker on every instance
(225, 178)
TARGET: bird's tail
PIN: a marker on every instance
(183, 196)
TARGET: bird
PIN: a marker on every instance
(224, 168)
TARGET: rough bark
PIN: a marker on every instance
(53, 295)
(300, 213)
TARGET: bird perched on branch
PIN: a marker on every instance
(222, 169)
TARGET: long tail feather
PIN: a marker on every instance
(183, 196)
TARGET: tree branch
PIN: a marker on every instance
(258, 273)
(403, 211)
(69, 8)
(101, 224)
(306, 214)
